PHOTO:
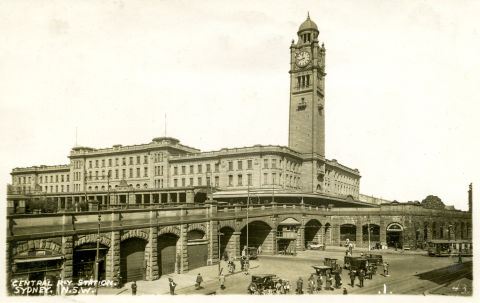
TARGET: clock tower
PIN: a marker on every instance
(307, 115)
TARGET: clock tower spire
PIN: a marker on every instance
(307, 89)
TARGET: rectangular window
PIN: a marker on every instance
(265, 177)
(116, 161)
(41, 179)
(103, 162)
(199, 168)
(62, 188)
(161, 170)
(249, 176)
(230, 165)
(208, 167)
(230, 180)
(145, 159)
(208, 181)
(175, 170)
(183, 169)
(96, 163)
(56, 179)
(130, 160)
(68, 178)
(190, 182)
(138, 159)
(191, 169)
(217, 181)
(274, 163)
(124, 161)
(62, 177)
(138, 172)
(116, 174)
(130, 173)
(239, 165)
(145, 171)
(217, 167)
(124, 173)
(240, 180)
(183, 182)
(109, 162)
(249, 164)
(274, 177)
(56, 188)
(175, 181)
(90, 164)
(265, 163)
(199, 181)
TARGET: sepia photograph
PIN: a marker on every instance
(255, 148)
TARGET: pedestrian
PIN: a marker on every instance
(361, 276)
(246, 266)
(350, 248)
(172, 285)
(328, 282)
(345, 291)
(311, 284)
(259, 249)
(134, 288)
(300, 286)
(385, 269)
(352, 275)
(460, 257)
(319, 283)
(338, 280)
(198, 281)
(222, 281)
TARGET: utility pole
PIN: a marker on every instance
(248, 200)
(368, 222)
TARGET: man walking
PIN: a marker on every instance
(352, 275)
(172, 285)
(361, 277)
(385, 269)
(198, 281)
(134, 288)
(222, 281)
(300, 286)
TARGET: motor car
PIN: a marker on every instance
(321, 270)
(374, 259)
(313, 245)
(261, 282)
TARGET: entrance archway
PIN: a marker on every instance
(167, 253)
(348, 231)
(258, 232)
(225, 237)
(84, 261)
(132, 259)
(395, 235)
(197, 249)
(312, 232)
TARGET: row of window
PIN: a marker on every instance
(191, 169)
(57, 188)
(131, 174)
(52, 179)
(109, 162)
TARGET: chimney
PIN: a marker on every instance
(470, 197)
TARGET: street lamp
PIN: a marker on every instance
(368, 226)
(219, 257)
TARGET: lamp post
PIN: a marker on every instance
(248, 200)
(368, 226)
(219, 256)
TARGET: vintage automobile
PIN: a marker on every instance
(355, 263)
(330, 262)
(374, 259)
(252, 253)
(321, 270)
(261, 282)
(314, 245)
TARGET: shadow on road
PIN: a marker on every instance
(449, 273)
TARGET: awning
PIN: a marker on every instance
(289, 221)
(28, 260)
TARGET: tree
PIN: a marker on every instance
(432, 202)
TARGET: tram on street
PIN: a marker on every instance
(444, 248)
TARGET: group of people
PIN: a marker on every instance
(315, 283)
(279, 287)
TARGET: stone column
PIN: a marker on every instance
(59, 203)
(300, 245)
(212, 234)
(336, 234)
(383, 233)
(359, 234)
(320, 236)
(235, 249)
(67, 250)
(182, 252)
(113, 256)
(152, 255)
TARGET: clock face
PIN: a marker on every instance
(302, 58)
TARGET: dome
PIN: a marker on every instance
(308, 25)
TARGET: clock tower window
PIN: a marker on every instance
(303, 81)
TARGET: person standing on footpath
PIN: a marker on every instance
(352, 275)
(198, 281)
(222, 281)
(319, 283)
(385, 269)
(172, 285)
(361, 277)
(134, 288)
(300, 286)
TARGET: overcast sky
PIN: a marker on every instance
(401, 87)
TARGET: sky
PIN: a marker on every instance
(401, 96)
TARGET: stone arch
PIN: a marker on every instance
(313, 232)
(230, 224)
(197, 226)
(92, 238)
(251, 220)
(37, 245)
(136, 233)
(395, 234)
(169, 230)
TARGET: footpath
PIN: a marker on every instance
(185, 281)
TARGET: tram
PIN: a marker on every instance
(443, 248)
